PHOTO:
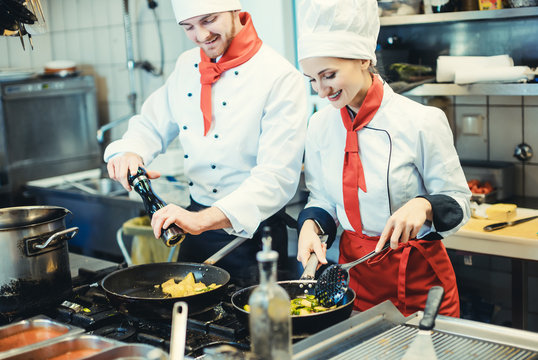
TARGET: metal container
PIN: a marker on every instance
(34, 262)
(28, 334)
(132, 352)
(499, 173)
(74, 348)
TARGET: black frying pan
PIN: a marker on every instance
(132, 290)
(305, 324)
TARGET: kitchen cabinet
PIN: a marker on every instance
(467, 33)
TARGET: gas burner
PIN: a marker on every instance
(120, 332)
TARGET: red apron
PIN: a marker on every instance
(402, 276)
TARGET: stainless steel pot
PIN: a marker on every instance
(34, 261)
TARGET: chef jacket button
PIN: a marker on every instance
(216, 136)
(213, 166)
(189, 94)
(191, 183)
(236, 73)
(224, 103)
(195, 65)
(214, 190)
(184, 127)
(186, 156)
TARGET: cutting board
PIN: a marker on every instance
(527, 230)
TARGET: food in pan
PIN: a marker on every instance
(186, 287)
(303, 305)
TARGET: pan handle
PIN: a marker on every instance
(179, 327)
(225, 250)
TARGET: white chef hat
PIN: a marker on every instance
(338, 28)
(186, 9)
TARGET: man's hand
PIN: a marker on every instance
(405, 223)
(121, 165)
(189, 221)
(309, 242)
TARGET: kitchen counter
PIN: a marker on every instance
(77, 261)
(520, 243)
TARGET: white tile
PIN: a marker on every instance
(59, 46)
(165, 10)
(102, 45)
(471, 147)
(4, 59)
(470, 100)
(175, 41)
(42, 52)
(18, 57)
(531, 130)
(85, 14)
(115, 12)
(505, 132)
(100, 12)
(55, 17)
(73, 45)
(71, 21)
(117, 45)
(150, 83)
(103, 75)
(148, 42)
(119, 85)
(530, 100)
(87, 46)
(505, 100)
(531, 180)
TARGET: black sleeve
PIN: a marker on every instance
(447, 213)
(323, 218)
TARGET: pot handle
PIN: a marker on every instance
(73, 231)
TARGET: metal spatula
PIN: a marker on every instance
(422, 347)
(333, 282)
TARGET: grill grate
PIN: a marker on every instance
(393, 343)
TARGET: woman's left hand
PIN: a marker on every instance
(405, 223)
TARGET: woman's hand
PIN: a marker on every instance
(405, 223)
(121, 165)
(309, 242)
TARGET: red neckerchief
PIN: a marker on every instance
(353, 173)
(243, 46)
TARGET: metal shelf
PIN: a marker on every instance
(499, 89)
(459, 16)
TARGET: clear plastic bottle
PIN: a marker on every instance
(269, 319)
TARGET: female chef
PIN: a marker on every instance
(378, 164)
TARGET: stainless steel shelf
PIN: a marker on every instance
(459, 16)
(498, 89)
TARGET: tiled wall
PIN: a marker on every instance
(507, 122)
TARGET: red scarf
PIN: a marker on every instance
(243, 46)
(353, 173)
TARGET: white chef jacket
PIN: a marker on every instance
(248, 165)
(406, 150)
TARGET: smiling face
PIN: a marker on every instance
(213, 33)
(342, 81)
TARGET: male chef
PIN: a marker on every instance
(239, 109)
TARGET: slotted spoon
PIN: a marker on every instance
(333, 283)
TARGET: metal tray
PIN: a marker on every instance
(72, 345)
(131, 352)
(31, 325)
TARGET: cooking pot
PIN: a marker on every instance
(34, 259)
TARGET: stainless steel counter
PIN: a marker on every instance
(77, 261)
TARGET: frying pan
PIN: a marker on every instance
(301, 324)
(133, 291)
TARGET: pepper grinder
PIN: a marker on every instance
(172, 236)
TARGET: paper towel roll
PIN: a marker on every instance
(493, 74)
(448, 65)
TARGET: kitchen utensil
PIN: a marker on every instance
(171, 236)
(422, 347)
(35, 260)
(301, 324)
(133, 289)
(333, 282)
(502, 225)
(179, 328)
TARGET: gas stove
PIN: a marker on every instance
(88, 308)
